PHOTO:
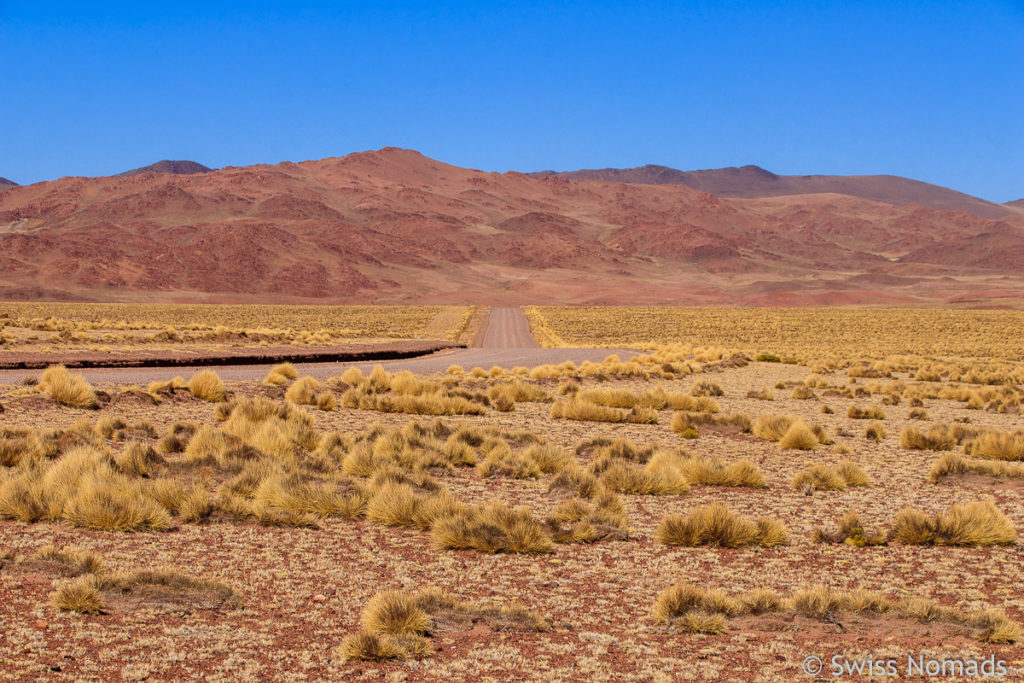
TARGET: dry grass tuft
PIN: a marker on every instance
(937, 438)
(67, 389)
(999, 446)
(80, 595)
(398, 626)
(492, 528)
(869, 413)
(970, 524)
(717, 525)
(576, 409)
(394, 613)
(826, 478)
(699, 609)
(952, 464)
(851, 532)
(303, 391)
(799, 436)
(207, 386)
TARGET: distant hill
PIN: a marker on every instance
(5, 183)
(1016, 203)
(753, 181)
(175, 167)
(393, 226)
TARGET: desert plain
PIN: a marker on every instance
(560, 493)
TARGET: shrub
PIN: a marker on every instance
(999, 446)
(799, 436)
(717, 525)
(772, 427)
(803, 393)
(819, 477)
(869, 413)
(80, 595)
(491, 529)
(851, 532)
(954, 463)
(706, 389)
(303, 392)
(937, 438)
(67, 389)
(394, 613)
(207, 386)
(971, 524)
(875, 432)
(575, 409)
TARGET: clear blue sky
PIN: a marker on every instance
(930, 90)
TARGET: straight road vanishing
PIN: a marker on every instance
(506, 342)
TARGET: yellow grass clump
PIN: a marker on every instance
(717, 525)
(398, 626)
(952, 464)
(80, 595)
(492, 528)
(868, 413)
(699, 609)
(799, 436)
(825, 478)
(207, 386)
(999, 446)
(970, 524)
(937, 438)
(851, 532)
(67, 389)
(303, 391)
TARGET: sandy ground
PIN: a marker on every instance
(597, 597)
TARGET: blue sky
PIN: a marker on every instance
(929, 90)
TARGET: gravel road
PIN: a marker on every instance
(506, 342)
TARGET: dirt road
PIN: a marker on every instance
(507, 328)
(507, 342)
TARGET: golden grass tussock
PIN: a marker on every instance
(799, 436)
(80, 595)
(869, 413)
(717, 525)
(690, 608)
(875, 432)
(303, 391)
(685, 422)
(826, 478)
(492, 528)
(936, 438)
(67, 389)
(588, 521)
(772, 427)
(953, 464)
(994, 445)
(530, 463)
(966, 524)
(575, 409)
(207, 385)
(706, 389)
(399, 626)
(851, 532)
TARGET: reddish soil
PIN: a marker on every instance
(394, 226)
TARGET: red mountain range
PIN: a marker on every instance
(395, 226)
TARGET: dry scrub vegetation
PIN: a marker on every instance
(803, 496)
(110, 328)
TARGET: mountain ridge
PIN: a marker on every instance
(752, 181)
(394, 226)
